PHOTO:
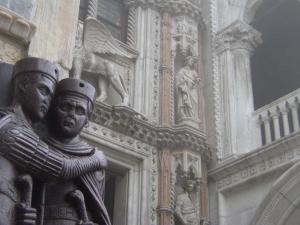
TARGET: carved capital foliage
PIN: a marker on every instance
(16, 26)
(175, 7)
(238, 35)
(127, 121)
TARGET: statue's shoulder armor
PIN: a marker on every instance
(15, 133)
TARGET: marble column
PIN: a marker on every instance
(165, 70)
(200, 70)
(144, 36)
(164, 207)
(235, 45)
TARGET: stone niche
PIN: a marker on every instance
(186, 80)
(186, 174)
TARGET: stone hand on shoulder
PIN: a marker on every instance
(101, 157)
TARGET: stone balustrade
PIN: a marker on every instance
(280, 118)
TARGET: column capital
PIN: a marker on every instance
(238, 35)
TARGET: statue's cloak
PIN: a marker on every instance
(92, 183)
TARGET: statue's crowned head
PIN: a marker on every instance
(31, 65)
(34, 81)
(72, 106)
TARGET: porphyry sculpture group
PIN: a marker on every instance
(47, 180)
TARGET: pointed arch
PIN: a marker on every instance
(282, 200)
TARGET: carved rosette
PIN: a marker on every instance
(238, 35)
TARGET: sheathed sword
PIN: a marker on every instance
(25, 185)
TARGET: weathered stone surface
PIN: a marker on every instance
(25, 8)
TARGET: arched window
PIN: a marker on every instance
(275, 64)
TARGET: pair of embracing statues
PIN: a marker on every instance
(55, 178)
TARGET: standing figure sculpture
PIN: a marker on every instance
(186, 82)
(97, 42)
(21, 149)
(71, 108)
(185, 210)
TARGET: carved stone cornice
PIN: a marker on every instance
(238, 35)
(16, 26)
(127, 121)
(175, 7)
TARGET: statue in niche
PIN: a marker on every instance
(186, 210)
(187, 81)
(70, 110)
(23, 154)
(97, 42)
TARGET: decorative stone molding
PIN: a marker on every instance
(131, 27)
(216, 92)
(174, 7)
(238, 35)
(11, 51)
(265, 160)
(282, 200)
(16, 26)
(126, 121)
(185, 35)
(139, 161)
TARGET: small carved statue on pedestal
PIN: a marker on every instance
(187, 81)
(186, 201)
(22, 153)
(71, 108)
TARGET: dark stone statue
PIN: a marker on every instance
(22, 152)
(65, 200)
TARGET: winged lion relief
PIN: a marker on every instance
(91, 53)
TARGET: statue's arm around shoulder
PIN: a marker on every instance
(27, 151)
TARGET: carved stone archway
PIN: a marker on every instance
(282, 203)
(251, 9)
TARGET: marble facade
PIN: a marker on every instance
(240, 178)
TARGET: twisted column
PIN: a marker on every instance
(91, 11)
(131, 26)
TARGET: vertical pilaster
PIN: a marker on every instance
(201, 103)
(164, 209)
(204, 193)
(165, 70)
(131, 26)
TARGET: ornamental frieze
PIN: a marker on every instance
(176, 7)
(127, 121)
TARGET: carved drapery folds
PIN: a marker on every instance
(234, 46)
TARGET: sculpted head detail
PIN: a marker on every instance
(34, 82)
(190, 61)
(72, 106)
